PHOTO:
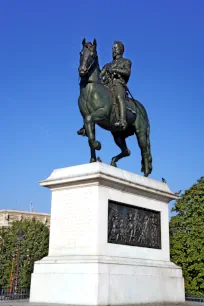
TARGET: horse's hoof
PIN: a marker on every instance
(92, 160)
(146, 173)
(113, 164)
(96, 145)
(81, 132)
(99, 160)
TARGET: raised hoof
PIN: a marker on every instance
(81, 132)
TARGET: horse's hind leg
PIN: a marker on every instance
(121, 143)
(89, 122)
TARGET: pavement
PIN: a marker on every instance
(26, 303)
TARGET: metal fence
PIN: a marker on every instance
(195, 298)
(21, 294)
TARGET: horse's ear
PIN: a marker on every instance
(94, 42)
(83, 42)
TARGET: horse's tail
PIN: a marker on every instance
(149, 147)
(143, 122)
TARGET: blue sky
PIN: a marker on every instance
(39, 57)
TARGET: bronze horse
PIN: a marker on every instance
(96, 104)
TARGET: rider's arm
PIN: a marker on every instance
(125, 70)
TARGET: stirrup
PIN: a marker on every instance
(121, 123)
(117, 123)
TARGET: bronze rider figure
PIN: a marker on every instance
(116, 74)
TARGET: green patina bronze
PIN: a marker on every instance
(104, 100)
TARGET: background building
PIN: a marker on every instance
(7, 217)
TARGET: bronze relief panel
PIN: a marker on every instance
(135, 226)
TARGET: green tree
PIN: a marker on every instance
(34, 246)
(187, 237)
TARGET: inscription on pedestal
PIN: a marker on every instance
(131, 225)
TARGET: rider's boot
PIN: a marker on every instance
(122, 121)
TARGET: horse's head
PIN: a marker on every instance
(88, 57)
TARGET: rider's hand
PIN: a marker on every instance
(109, 68)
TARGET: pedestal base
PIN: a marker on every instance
(109, 240)
(100, 280)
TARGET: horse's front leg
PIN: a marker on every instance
(93, 151)
(89, 123)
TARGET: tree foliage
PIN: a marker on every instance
(34, 246)
(187, 237)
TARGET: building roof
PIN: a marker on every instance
(8, 216)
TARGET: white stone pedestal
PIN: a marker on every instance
(82, 268)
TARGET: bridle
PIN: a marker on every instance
(89, 68)
(95, 57)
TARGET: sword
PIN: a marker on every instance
(134, 100)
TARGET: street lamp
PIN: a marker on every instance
(20, 236)
(1, 241)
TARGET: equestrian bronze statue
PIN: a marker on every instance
(104, 100)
